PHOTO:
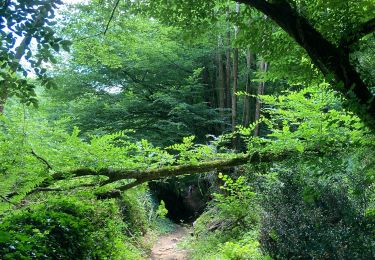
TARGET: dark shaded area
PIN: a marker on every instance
(317, 218)
(184, 197)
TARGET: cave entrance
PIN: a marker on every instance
(185, 197)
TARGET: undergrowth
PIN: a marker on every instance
(78, 226)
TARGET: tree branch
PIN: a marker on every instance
(355, 35)
(44, 188)
(7, 200)
(331, 60)
(111, 17)
(142, 176)
(49, 167)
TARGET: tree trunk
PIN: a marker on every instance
(145, 175)
(235, 76)
(141, 176)
(221, 80)
(246, 105)
(227, 65)
(331, 60)
(234, 91)
(262, 67)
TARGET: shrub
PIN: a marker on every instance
(247, 248)
(68, 228)
(316, 215)
(229, 229)
(133, 213)
(236, 202)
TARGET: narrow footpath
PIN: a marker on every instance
(165, 247)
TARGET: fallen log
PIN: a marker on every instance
(141, 176)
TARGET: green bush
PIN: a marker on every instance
(68, 228)
(318, 214)
(229, 229)
(246, 248)
(133, 212)
(236, 202)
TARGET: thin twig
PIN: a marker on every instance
(49, 167)
(110, 18)
(7, 200)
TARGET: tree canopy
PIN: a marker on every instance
(255, 118)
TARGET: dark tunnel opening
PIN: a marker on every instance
(185, 198)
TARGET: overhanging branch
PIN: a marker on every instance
(163, 172)
(355, 35)
(330, 59)
(138, 177)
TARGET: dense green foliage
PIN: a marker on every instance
(65, 228)
(151, 77)
(229, 229)
(180, 85)
(22, 24)
(310, 206)
(319, 216)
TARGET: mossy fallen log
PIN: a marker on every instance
(140, 176)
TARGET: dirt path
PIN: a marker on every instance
(165, 247)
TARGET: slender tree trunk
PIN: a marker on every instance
(234, 91)
(221, 80)
(235, 75)
(209, 94)
(262, 67)
(246, 106)
(227, 65)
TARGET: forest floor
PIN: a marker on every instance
(165, 247)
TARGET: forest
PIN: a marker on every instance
(187, 129)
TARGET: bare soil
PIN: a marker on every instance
(165, 247)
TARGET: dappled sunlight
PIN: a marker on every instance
(184, 130)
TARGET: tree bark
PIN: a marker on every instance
(246, 110)
(144, 175)
(221, 80)
(331, 60)
(235, 76)
(228, 63)
(235, 88)
(262, 67)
